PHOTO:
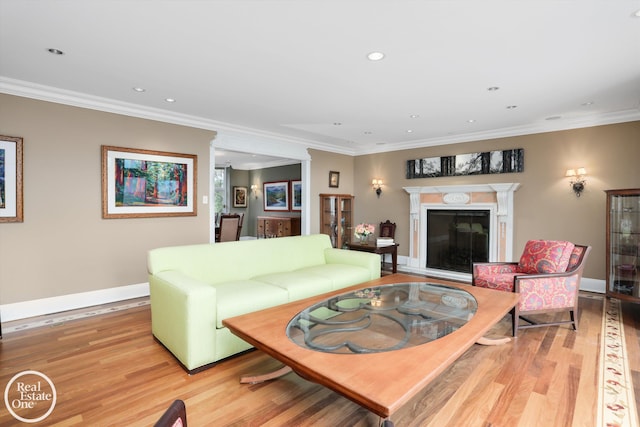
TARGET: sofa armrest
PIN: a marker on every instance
(183, 316)
(367, 260)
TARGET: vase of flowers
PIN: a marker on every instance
(363, 231)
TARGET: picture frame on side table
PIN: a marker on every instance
(239, 197)
(296, 195)
(276, 196)
(146, 183)
(11, 197)
(334, 179)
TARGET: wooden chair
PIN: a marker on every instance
(240, 225)
(174, 416)
(388, 229)
(547, 279)
(229, 224)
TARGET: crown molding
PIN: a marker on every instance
(529, 129)
(83, 100)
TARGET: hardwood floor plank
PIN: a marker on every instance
(109, 371)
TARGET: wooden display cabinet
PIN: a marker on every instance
(336, 215)
(623, 244)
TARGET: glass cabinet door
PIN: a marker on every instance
(335, 218)
(623, 243)
(345, 221)
(328, 218)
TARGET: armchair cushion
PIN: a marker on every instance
(545, 256)
(499, 281)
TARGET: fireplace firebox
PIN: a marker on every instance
(457, 238)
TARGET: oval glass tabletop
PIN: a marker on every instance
(382, 318)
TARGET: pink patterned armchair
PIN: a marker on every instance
(547, 279)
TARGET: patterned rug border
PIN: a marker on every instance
(616, 398)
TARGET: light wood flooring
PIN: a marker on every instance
(109, 371)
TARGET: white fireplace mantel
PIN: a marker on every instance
(495, 197)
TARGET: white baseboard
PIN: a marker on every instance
(45, 306)
(593, 285)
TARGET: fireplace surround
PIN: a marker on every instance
(496, 198)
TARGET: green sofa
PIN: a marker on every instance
(193, 288)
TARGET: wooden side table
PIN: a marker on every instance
(390, 249)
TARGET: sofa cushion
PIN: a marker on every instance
(545, 256)
(339, 275)
(298, 285)
(246, 296)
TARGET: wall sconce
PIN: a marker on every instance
(377, 186)
(254, 190)
(577, 180)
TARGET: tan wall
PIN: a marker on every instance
(545, 207)
(321, 164)
(64, 246)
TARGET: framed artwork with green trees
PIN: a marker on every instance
(145, 183)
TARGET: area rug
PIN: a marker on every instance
(616, 399)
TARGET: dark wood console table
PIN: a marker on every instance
(390, 249)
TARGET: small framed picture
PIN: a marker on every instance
(276, 196)
(296, 195)
(239, 197)
(334, 179)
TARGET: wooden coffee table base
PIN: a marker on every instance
(379, 382)
(284, 370)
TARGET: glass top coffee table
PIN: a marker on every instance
(405, 360)
(382, 318)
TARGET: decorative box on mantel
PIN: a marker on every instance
(495, 198)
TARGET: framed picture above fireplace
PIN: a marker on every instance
(482, 163)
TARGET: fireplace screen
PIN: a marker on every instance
(457, 238)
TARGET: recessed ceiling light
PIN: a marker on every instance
(170, 100)
(55, 51)
(139, 89)
(511, 107)
(493, 88)
(471, 121)
(409, 131)
(375, 56)
(586, 104)
(414, 116)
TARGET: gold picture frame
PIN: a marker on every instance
(11, 195)
(146, 183)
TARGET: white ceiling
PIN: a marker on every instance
(297, 69)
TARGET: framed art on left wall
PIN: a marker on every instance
(11, 179)
(146, 183)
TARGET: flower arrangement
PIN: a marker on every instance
(363, 230)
